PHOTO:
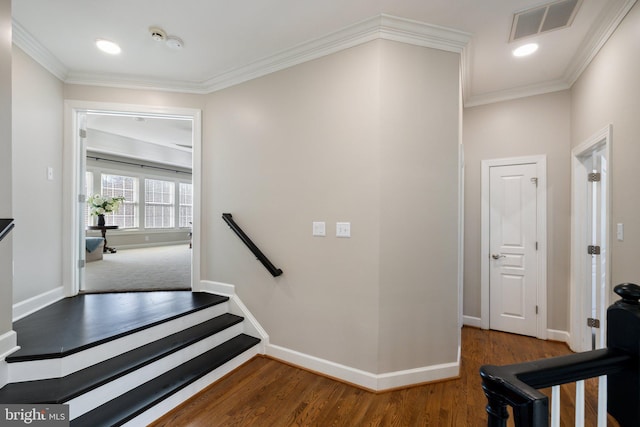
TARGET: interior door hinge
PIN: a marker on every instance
(82, 133)
(536, 246)
(81, 263)
(537, 309)
(594, 177)
(82, 198)
(593, 323)
(593, 250)
(535, 181)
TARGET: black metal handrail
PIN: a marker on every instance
(228, 218)
(516, 385)
(6, 224)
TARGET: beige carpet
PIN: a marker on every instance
(155, 268)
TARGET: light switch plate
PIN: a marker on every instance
(343, 229)
(319, 228)
(620, 232)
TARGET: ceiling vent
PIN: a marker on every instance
(549, 17)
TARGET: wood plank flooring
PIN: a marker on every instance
(265, 392)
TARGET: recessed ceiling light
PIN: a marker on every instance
(108, 46)
(526, 49)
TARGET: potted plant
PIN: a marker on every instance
(101, 205)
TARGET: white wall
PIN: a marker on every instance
(608, 92)
(37, 145)
(528, 126)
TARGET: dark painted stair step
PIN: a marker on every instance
(59, 390)
(131, 404)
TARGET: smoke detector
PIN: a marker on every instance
(174, 42)
(158, 34)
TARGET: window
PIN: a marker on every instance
(186, 205)
(159, 203)
(118, 185)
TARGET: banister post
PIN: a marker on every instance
(496, 409)
(623, 333)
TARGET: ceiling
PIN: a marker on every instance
(227, 42)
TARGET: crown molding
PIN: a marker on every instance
(604, 27)
(516, 93)
(25, 41)
(382, 26)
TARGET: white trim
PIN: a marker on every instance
(38, 302)
(472, 321)
(541, 171)
(218, 288)
(555, 335)
(8, 345)
(71, 154)
(577, 299)
(368, 380)
(382, 26)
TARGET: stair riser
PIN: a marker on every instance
(94, 398)
(191, 390)
(60, 367)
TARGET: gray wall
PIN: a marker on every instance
(37, 145)
(608, 92)
(355, 136)
(528, 126)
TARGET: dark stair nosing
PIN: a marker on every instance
(60, 390)
(134, 402)
(61, 352)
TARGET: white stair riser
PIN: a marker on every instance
(60, 367)
(157, 411)
(113, 389)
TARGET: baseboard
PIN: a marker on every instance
(153, 245)
(218, 288)
(237, 307)
(475, 322)
(367, 380)
(31, 305)
(8, 345)
(555, 335)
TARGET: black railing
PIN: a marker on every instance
(517, 385)
(228, 218)
(6, 224)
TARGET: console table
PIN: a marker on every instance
(103, 229)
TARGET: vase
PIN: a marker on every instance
(101, 222)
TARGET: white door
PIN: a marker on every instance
(513, 268)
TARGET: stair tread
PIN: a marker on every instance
(74, 324)
(134, 402)
(59, 390)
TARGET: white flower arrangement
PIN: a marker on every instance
(101, 205)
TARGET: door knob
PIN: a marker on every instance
(497, 256)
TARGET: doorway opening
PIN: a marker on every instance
(590, 241)
(149, 156)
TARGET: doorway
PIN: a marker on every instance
(513, 239)
(77, 116)
(591, 241)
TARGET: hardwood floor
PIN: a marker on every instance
(265, 392)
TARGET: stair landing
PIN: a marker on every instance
(87, 320)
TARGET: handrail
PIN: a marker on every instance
(228, 218)
(6, 224)
(517, 385)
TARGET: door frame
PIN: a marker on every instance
(71, 157)
(578, 295)
(541, 237)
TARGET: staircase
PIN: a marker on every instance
(135, 377)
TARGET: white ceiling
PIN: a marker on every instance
(227, 42)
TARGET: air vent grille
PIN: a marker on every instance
(549, 17)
